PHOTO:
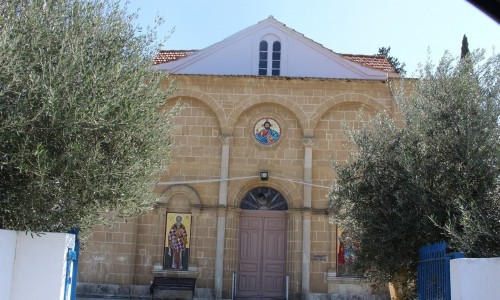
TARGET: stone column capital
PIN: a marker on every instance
(309, 141)
(226, 139)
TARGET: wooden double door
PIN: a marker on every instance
(262, 254)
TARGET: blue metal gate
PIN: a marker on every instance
(72, 268)
(433, 270)
(68, 287)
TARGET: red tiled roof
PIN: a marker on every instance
(169, 55)
(378, 62)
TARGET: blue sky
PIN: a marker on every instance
(410, 28)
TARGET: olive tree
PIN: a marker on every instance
(432, 175)
(82, 128)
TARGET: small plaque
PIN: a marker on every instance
(319, 257)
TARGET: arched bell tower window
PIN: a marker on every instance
(274, 57)
(263, 58)
(264, 198)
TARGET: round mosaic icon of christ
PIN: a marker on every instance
(267, 131)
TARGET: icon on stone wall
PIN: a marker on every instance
(267, 131)
(346, 252)
(177, 241)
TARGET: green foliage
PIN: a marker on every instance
(396, 64)
(433, 177)
(464, 51)
(81, 124)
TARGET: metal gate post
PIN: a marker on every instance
(233, 286)
(74, 275)
(286, 286)
(70, 259)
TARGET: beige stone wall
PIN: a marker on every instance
(206, 228)
(109, 255)
(213, 106)
(197, 148)
(323, 251)
(150, 238)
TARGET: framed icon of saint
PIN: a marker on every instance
(177, 234)
(346, 252)
(267, 131)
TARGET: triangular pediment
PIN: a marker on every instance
(298, 56)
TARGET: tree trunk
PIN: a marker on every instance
(394, 291)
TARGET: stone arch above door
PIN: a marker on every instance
(289, 190)
(263, 198)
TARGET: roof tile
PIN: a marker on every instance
(169, 55)
(378, 62)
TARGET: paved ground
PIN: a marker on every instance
(121, 298)
(114, 298)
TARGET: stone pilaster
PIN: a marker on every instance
(224, 168)
(294, 249)
(193, 263)
(308, 143)
(160, 232)
(219, 251)
(221, 214)
(232, 228)
(306, 253)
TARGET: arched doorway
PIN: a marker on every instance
(262, 245)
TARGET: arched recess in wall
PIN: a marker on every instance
(195, 133)
(370, 103)
(331, 142)
(252, 101)
(180, 197)
(180, 204)
(290, 136)
(206, 99)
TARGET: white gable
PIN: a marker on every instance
(300, 56)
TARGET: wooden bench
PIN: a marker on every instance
(173, 284)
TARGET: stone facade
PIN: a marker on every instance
(214, 141)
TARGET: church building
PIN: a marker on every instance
(245, 197)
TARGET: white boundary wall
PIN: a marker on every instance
(33, 267)
(475, 278)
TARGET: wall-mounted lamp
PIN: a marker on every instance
(264, 175)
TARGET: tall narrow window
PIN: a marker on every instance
(276, 58)
(263, 58)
